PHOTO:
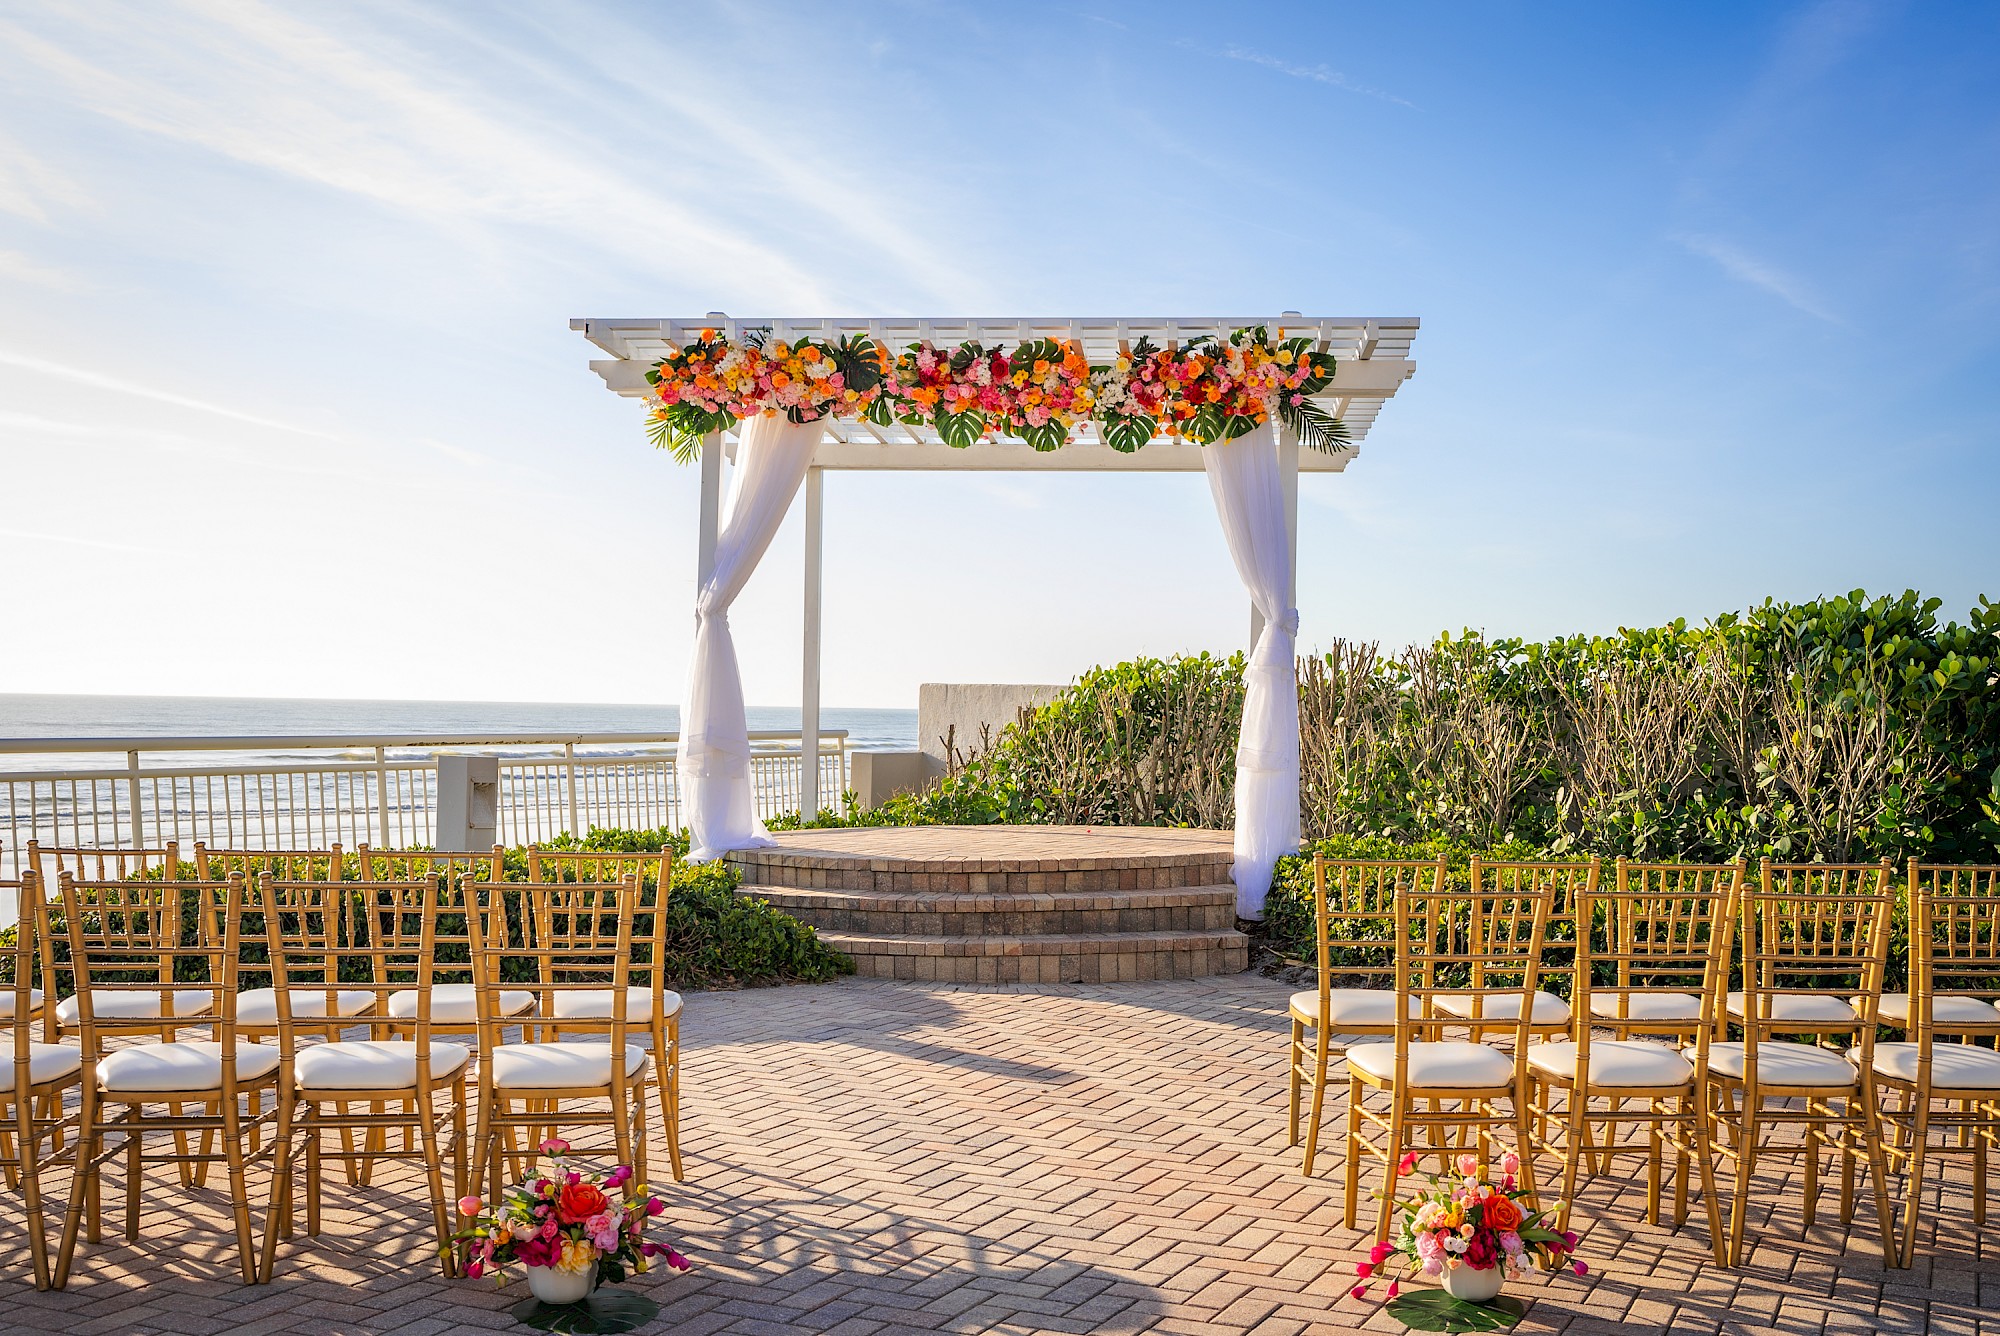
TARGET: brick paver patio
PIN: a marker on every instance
(875, 1158)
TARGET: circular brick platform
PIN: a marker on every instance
(1010, 904)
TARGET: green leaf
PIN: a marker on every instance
(1049, 436)
(1205, 427)
(960, 430)
(1128, 434)
(1434, 1310)
(1316, 428)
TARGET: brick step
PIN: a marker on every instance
(992, 861)
(1076, 957)
(969, 914)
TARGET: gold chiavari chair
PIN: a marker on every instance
(452, 1007)
(1354, 919)
(1567, 885)
(118, 933)
(108, 865)
(43, 1072)
(326, 864)
(1660, 937)
(25, 888)
(1809, 934)
(310, 937)
(649, 998)
(586, 946)
(1475, 942)
(1946, 1087)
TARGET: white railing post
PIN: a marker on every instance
(569, 765)
(134, 799)
(382, 799)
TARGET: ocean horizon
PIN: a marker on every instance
(26, 715)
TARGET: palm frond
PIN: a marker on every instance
(1316, 428)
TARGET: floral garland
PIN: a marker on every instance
(1210, 389)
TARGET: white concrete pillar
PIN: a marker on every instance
(809, 795)
(1288, 481)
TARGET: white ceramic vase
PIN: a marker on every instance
(1462, 1282)
(554, 1286)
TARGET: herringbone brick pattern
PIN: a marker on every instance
(875, 1158)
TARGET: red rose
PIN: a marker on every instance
(577, 1202)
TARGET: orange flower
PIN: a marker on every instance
(579, 1201)
(1500, 1212)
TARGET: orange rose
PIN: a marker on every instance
(1501, 1213)
(578, 1202)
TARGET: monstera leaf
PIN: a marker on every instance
(1127, 434)
(960, 430)
(1434, 1310)
(1049, 436)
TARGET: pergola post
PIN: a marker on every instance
(711, 508)
(809, 801)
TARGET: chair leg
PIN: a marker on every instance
(1868, 1127)
(1573, 1148)
(1978, 1146)
(30, 1179)
(670, 1096)
(1294, 1082)
(1317, 1114)
(1353, 1168)
(315, 1135)
(1746, 1165)
(1398, 1134)
(88, 1141)
(1810, 1205)
(1703, 1127)
(461, 1185)
(1524, 1126)
(1913, 1187)
(135, 1180)
(239, 1196)
(434, 1180)
(278, 1212)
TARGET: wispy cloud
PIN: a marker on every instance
(29, 186)
(24, 269)
(76, 540)
(1332, 78)
(1747, 268)
(118, 385)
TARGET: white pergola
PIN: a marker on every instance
(1372, 362)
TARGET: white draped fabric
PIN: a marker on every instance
(771, 461)
(1249, 498)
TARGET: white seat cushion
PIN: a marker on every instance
(136, 1004)
(1351, 1006)
(557, 1066)
(1946, 1010)
(1505, 1005)
(7, 996)
(1953, 1066)
(46, 1062)
(595, 1003)
(1438, 1065)
(372, 1064)
(1615, 1062)
(457, 1003)
(1800, 1007)
(259, 1006)
(1647, 1006)
(195, 1065)
(1782, 1065)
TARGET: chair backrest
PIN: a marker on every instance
(569, 922)
(284, 864)
(51, 864)
(655, 872)
(133, 935)
(1472, 943)
(1809, 929)
(1568, 887)
(1354, 914)
(418, 864)
(374, 937)
(396, 918)
(1954, 944)
(580, 939)
(1659, 930)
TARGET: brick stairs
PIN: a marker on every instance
(1010, 904)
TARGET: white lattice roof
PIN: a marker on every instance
(1372, 362)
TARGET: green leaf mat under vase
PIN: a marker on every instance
(606, 1310)
(1434, 1310)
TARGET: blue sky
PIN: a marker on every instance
(289, 405)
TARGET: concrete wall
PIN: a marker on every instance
(878, 776)
(958, 709)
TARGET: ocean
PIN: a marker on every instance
(53, 716)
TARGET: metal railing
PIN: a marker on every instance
(377, 789)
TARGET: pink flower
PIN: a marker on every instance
(554, 1146)
(1379, 1253)
(473, 1270)
(1580, 1269)
(1357, 1291)
(1569, 1240)
(1510, 1163)
(1395, 1288)
(468, 1205)
(1363, 1270)
(603, 1230)
(1407, 1165)
(1468, 1165)
(654, 1206)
